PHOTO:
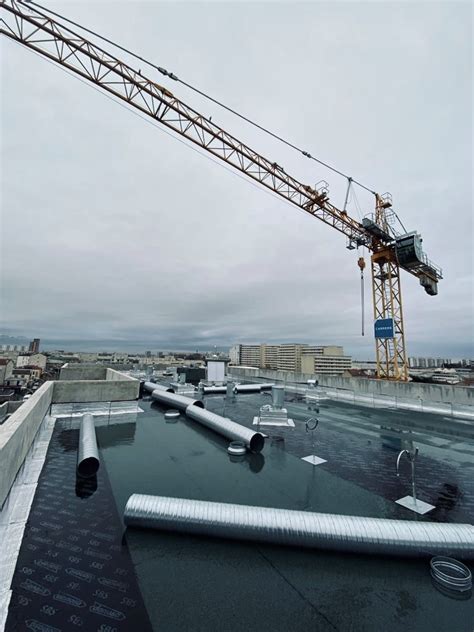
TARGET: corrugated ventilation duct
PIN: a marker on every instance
(300, 528)
(252, 388)
(87, 453)
(175, 401)
(151, 386)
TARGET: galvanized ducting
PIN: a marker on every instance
(278, 396)
(87, 453)
(151, 386)
(251, 388)
(300, 528)
(175, 401)
(226, 427)
(209, 390)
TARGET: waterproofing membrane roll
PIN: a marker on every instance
(151, 386)
(175, 401)
(228, 428)
(87, 453)
(300, 528)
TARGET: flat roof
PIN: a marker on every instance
(91, 569)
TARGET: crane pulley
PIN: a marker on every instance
(39, 32)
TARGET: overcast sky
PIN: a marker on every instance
(113, 230)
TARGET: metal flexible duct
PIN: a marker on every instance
(251, 388)
(87, 452)
(230, 429)
(207, 390)
(175, 401)
(151, 386)
(300, 528)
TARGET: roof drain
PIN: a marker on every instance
(236, 448)
(172, 414)
(87, 453)
(226, 427)
(300, 528)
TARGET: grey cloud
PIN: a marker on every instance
(112, 230)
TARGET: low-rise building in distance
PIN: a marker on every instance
(6, 369)
(294, 357)
(32, 359)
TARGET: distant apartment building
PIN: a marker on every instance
(23, 376)
(250, 355)
(234, 354)
(34, 346)
(6, 369)
(269, 356)
(431, 363)
(294, 357)
(328, 360)
(18, 348)
(32, 359)
(289, 357)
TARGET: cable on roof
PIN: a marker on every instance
(172, 76)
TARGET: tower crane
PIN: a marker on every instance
(38, 31)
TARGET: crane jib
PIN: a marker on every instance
(53, 40)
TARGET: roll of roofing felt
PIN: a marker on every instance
(300, 528)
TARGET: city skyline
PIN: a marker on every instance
(141, 346)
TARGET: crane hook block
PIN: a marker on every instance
(361, 263)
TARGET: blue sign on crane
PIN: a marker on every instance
(384, 328)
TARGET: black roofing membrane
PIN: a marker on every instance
(74, 569)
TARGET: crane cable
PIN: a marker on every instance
(361, 264)
(172, 76)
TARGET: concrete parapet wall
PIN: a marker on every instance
(8, 408)
(461, 395)
(113, 390)
(82, 372)
(17, 434)
(19, 430)
(115, 376)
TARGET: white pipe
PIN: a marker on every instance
(228, 428)
(175, 401)
(87, 453)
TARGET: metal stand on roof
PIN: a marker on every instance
(412, 502)
(311, 425)
(274, 414)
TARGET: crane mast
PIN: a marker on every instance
(39, 32)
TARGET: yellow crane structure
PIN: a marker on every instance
(44, 34)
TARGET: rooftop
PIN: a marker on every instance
(78, 566)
